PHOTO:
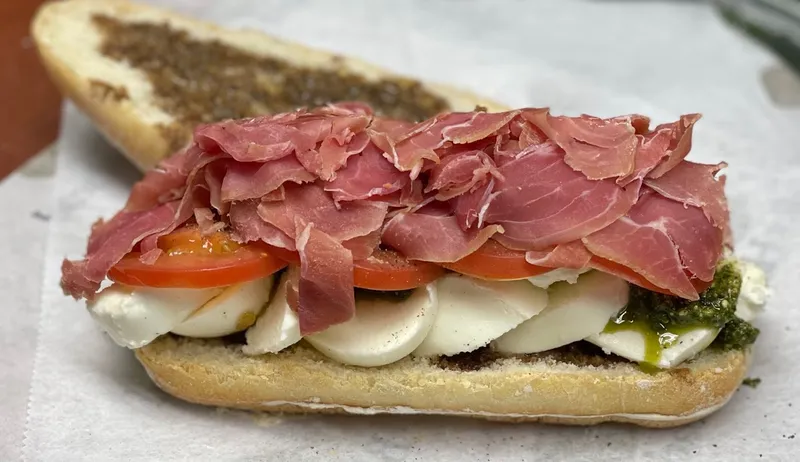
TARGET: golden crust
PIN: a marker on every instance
(544, 389)
(68, 42)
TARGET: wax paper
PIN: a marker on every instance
(22, 235)
(90, 400)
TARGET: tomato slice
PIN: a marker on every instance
(626, 273)
(497, 262)
(388, 270)
(191, 260)
(288, 256)
(383, 270)
(633, 277)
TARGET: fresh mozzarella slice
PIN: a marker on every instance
(382, 331)
(277, 328)
(134, 318)
(234, 310)
(754, 293)
(632, 344)
(574, 312)
(545, 280)
(474, 312)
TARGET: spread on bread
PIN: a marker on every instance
(372, 239)
(229, 82)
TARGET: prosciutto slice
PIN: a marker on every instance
(248, 226)
(326, 280)
(570, 255)
(470, 207)
(598, 148)
(214, 175)
(167, 181)
(255, 142)
(434, 238)
(367, 175)
(696, 185)
(459, 173)
(480, 126)
(541, 201)
(408, 151)
(82, 278)
(661, 240)
(311, 204)
(333, 153)
(253, 180)
(336, 183)
(680, 142)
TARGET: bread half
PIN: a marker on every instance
(559, 387)
(120, 98)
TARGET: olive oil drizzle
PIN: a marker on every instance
(662, 319)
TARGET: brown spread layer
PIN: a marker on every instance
(577, 353)
(199, 81)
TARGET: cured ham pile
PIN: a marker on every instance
(335, 183)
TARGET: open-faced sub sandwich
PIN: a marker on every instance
(511, 265)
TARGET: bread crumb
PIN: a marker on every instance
(527, 389)
(644, 384)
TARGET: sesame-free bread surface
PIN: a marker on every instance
(556, 387)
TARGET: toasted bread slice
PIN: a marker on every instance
(162, 74)
(557, 387)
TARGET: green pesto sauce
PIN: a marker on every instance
(736, 335)
(662, 319)
(394, 296)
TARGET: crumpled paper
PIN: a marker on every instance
(90, 400)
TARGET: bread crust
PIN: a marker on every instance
(541, 388)
(68, 43)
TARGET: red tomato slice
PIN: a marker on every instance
(633, 277)
(194, 261)
(626, 273)
(383, 270)
(495, 261)
(388, 270)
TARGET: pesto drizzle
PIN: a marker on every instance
(662, 319)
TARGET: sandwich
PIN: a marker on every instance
(342, 257)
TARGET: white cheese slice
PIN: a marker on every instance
(631, 344)
(474, 312)
(234, 310)
(549, 278)
(574, 312)
(134, 318)
(277, 328)
(382, 331)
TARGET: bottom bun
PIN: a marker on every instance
(567, 386)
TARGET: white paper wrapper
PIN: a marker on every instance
(90, 400)
(22, 236)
